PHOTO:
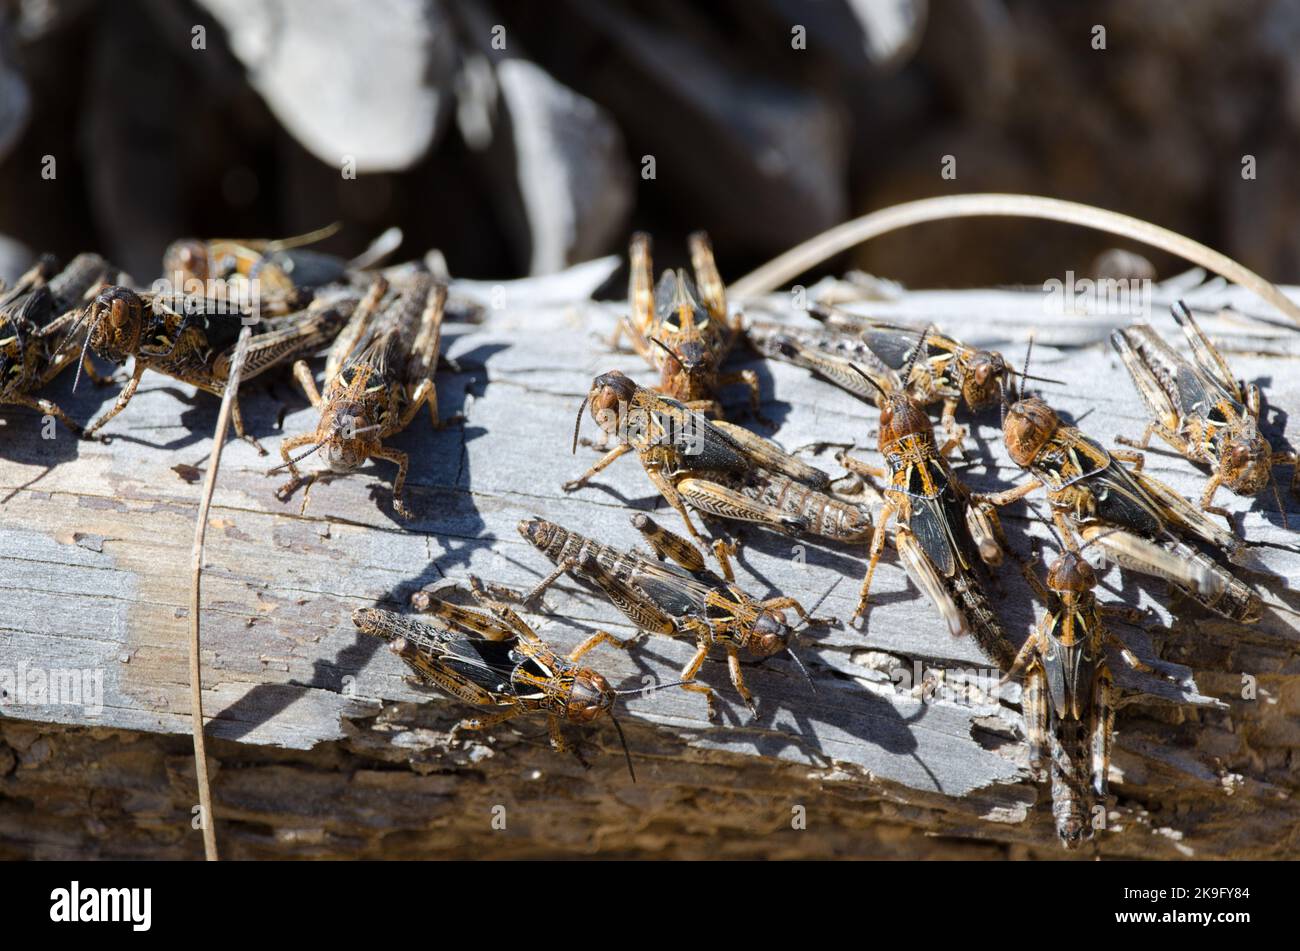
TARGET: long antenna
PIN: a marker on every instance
(802, 669)
(862, 373)
(916, 353)
(626, 752)
(577, 424)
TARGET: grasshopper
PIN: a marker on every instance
(1069, 694)
(938, 532)
(1200, 410)
(195, 343)
(1137, 520)
(34, 315)
(682, 332)
(683, 599)
(721, 470)
(937, 368)
(281, 266)
(493, 659)
(379, 374)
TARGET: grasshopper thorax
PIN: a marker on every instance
(590, 696)
(901, 417)
(981, 385)
(116, 323)
(769, 635)
(1029, 425)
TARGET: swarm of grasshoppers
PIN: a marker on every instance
(1137, 520)
(939, 532)
(721, 470)
(492, 658)
(379, 375)
(683, 598)
(35, 315)
(1201, 410)
(682, 329)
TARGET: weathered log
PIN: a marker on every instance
(321, 748)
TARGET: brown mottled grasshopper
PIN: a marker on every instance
(1137, 520)
(280, 266)
(682, 332)
(1201, 410)
(662, 598)
(379, 374)
(719, 469)
(494, 659)
(864, 356)
(192, 339)
(34, 315)
(938, 530)
(1069, 695)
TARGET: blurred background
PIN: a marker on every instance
(519, 137)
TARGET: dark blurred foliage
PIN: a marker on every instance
(529, 157)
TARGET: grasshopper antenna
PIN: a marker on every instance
(577, 424)
(81, 360)
(802, 669)
(1024, 371)
(916, 354)
(664, 347)
(626, 752)
(298, 458)
(862, 373)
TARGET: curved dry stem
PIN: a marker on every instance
(200, 530)
(842, 237)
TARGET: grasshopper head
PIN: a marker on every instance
(609, 393)
(1071, 577)
(1071, 824)
(186, 260)
(1245, 462)
(900, 417)
(770, 635)
(538, 531)
(345, 449)
(688, 368)
(981, 387)
(1028, 426)
(589, 697)
(116, 323)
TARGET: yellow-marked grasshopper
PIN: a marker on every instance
(683, 599)
(864, 356)
(1068, 696)
(192, 339)
(1138, 521)
(683, 329)
(938, 533)
(492, 658)
(280, 267)
(35, 314)
(721, 470)
(1201, 410)
(379, 375)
